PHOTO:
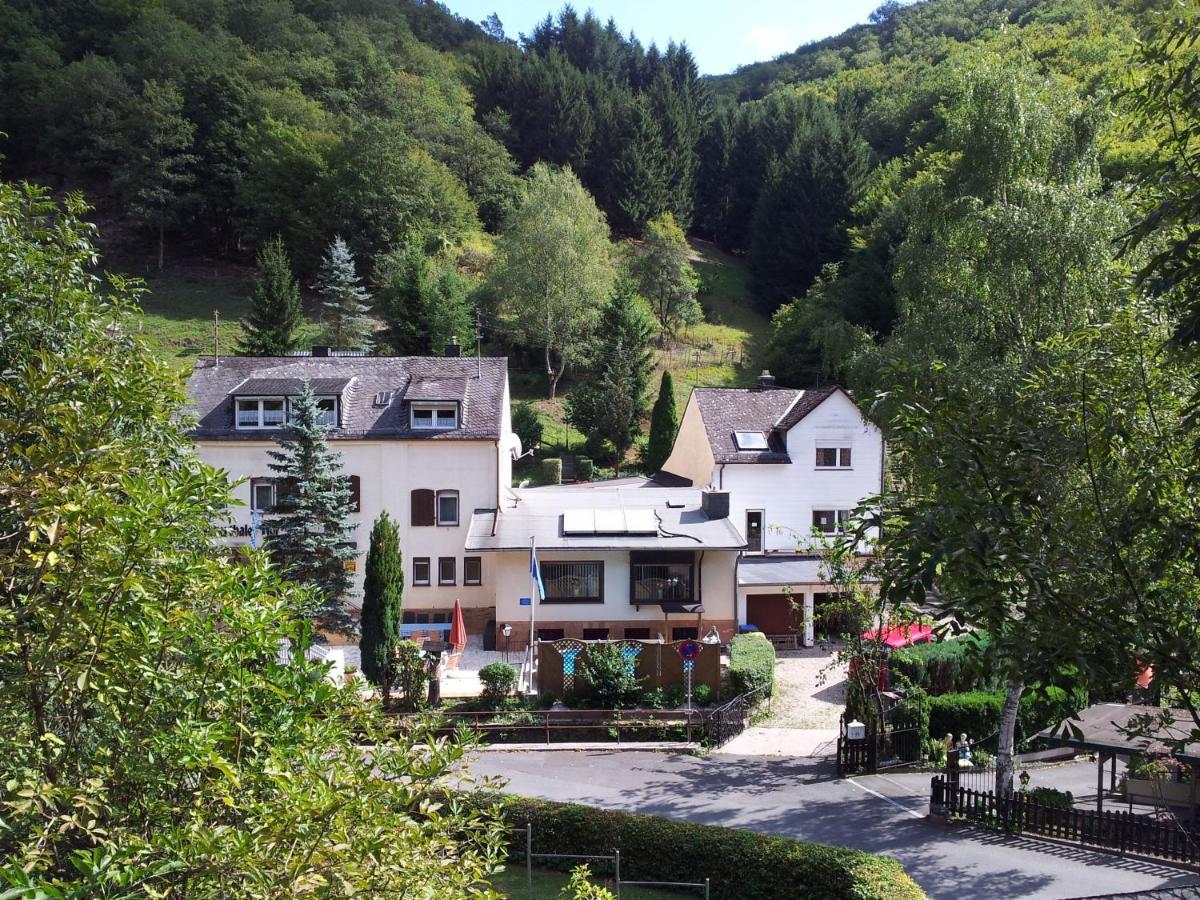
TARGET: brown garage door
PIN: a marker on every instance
(776, 613)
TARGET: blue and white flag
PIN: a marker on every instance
(535, 572)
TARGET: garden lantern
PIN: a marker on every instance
(506, 630)
(1024, 779)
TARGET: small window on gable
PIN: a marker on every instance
(434, 417)
(833, 457)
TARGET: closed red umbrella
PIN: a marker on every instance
(458, 628)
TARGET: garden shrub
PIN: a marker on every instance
(945, 667)
(977, 713)
(1052, 797)
(739, 863)
(702, 694)
(527, 424)
(584, 468)
(498, 679)
(608, 677)
(552, 471)
(751, 663)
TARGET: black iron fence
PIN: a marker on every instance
(1022, 813)
(879, 748)
(726, 722)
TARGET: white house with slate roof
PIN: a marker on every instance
(791, 461)
(426, 438)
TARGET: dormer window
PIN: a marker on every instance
(260, 412)
(328, 407)
(434, 417)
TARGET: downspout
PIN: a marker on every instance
(700, 594)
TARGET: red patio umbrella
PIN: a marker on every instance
(458, 628)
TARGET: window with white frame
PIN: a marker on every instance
(434, 417)
(262, 493)
(328, 408)
(833, 457)
(447, 507)
(260, 412)
(831, 521)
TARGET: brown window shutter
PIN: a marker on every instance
(356, 492)
(423, 507)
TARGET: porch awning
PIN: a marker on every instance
(1103, 727)
(762, 571)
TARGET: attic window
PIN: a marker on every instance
(434, 417)
(750, 440)
(260, 412)
(383, 398)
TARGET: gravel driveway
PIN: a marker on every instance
(810, 690)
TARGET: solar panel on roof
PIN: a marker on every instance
(641, 521)
(579, 521)
(610, 521)
(750, 440)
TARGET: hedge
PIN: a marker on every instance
(751, 663)
(977, 713)
(739, 863)
(945, 667)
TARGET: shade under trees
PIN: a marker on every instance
(555, 272)
(345, 311)
(275, 311)
(383, 597)
(152, 742)
(309, 532)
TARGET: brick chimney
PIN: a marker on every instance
(766, 380)
(452, 348)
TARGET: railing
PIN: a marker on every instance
(879, 749)
(566, 725)
(726, 722)
(1021, 813)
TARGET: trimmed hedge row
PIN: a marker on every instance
(977, 713)
(751, 663)
(739, 863)
(945, 667)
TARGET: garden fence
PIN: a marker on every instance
(1021, 813)
(703, 887)
(726, 722)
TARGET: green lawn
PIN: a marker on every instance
(177, 314)
(512, 882)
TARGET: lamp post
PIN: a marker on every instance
(1024, 779)
(506, 630)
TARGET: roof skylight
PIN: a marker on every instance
(750, 440)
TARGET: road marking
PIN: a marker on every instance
(884, 797)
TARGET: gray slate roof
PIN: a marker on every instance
(213, 385)
(771, 411)
(538, 512)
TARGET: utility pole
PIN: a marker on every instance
(216, 338)
(478, 340)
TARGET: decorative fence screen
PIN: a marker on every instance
(657, 665)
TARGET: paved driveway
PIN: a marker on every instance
(798, 797)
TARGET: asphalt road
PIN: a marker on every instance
(799, 797)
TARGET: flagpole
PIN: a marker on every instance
(533, 599)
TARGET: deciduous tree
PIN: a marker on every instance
(665, 276)
(555, 269)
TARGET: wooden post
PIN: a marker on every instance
(1100, 782)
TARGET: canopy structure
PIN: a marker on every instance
(1129, 729)
(896, 636)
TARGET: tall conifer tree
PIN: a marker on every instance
(275, 311)
(311, 535)
(663, 422)
(344, 302)
(383, 593)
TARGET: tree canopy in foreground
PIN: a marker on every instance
(152, 742)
